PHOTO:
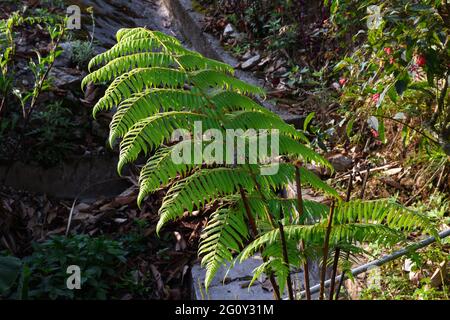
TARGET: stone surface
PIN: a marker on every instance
(340, 162)
(250, 63)
(440, 275)
(84, 177)
(64, 59)
(247, 56)
(66, 78)
(228, 31)
(234, 284)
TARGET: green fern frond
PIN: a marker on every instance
(225, 232)
(286, 174)
(246, 119)
(148, 103)
(193, 62)
(135, 81)
(150, 132)
(291, 147)
(123, 64)
(313, 211)
(133, 33)
(215, 79)
(201, 188)
(385, 211)
(315, 234)
(160, 170)
(272, 265)
(231, 101)
(137, 45)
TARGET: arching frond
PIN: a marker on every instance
(135, 81)
(261, 120)
(315, 234)
(148, 103)
(123, 64)
(216, 79)
(224, 234)
(201, 188)
(385, 211)
(150, 132)
(161, 169)
(137, 45)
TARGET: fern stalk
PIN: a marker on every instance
(337, 252)
(302, 242)
(273, 282)
(325, 252)
(361, 196)
(285, 255)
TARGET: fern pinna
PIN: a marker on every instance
(157, 86)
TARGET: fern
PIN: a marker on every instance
(224, 234)
(157, 86)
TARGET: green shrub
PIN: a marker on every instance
(44, 272)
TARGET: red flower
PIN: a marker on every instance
(388, 50)
(374, 132)
(376, 97)
(342, 81)
(421, 60)
(391, 60)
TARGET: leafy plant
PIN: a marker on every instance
(400, 70)
(159, 87)
(81, 53)
(44, 275)
(53, 132)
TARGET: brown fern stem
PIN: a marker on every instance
(325, 252)
(276, 289)
(302, 243)
(337, 252)
(361, 196)
(285, 256)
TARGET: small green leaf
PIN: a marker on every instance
(308, 120)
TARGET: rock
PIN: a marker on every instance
(439, 275)
(247, 56)
(66, 78)
(64, 59)
(228, 31)
(250, 63)
(280, 72)
(340, 162)
(264, 62)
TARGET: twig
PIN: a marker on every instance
(276, 289)
(426, 184)
(325, 252)
(302, 243)
(363, 188)
(285, 256)
(410, 127)
(337, 252)
(69, 221)
(381, 168)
